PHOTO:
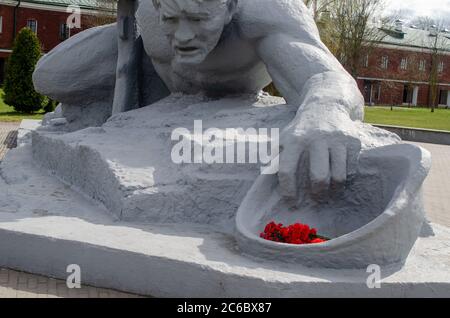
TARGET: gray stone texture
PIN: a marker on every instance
(14, 284)
(120, 176)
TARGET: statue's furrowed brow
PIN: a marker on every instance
(170, 7)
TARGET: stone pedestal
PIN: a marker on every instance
(45, 226)
(108, 200)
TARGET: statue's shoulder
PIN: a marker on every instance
(155, 42)
(258, 18)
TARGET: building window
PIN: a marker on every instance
(32, 24)
(407, 94)
(1, 24)
(372, 92)
(444, 97)
(422, 64)
(441, 67)
(64, 31)
(410, 94)
(384, 62)
(366, 60)
(404, 64)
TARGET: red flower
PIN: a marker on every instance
(293, 234)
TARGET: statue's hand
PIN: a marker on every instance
(323, 154)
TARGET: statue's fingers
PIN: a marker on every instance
(319, 164)
(338, 162)
(353, 146)
(287, 174)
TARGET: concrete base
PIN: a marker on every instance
(45, 226)
(431, 136)
(126, 165)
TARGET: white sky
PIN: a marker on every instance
(437, 9)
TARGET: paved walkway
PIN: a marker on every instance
(8, 137)
(18, 284)
(15, 284)
(437, 186)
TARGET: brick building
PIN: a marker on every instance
(47, 18)
(397, 70)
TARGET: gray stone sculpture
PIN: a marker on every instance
(356, 183)
(220, 48)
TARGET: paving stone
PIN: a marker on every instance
(436, 189)
(8, 137)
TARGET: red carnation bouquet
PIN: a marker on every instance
(293, 234)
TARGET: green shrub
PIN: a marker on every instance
(18, 85)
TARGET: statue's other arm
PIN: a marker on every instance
(81, 69)
(327, 97)
(81, 74)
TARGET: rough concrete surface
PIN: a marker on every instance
(440, 137)
(187, 260)
(135, 177)
(124, 166)
(17, 284)
(48, 226)
(136, 180)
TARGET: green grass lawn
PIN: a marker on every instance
(8, 113)
(409, 117)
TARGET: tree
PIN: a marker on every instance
(436, 45)
(352, 34)
(321, 14)
(319, 7)
(106, 14)
(345, 28)
(423, 22)
(413, 73)
(18, 85)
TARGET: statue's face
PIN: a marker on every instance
(194, 27)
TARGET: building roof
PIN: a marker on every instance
(83, 4)
(415, 38)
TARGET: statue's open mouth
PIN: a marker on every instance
(187, 50)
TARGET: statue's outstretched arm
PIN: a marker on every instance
(308, 75)
(328, 102)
